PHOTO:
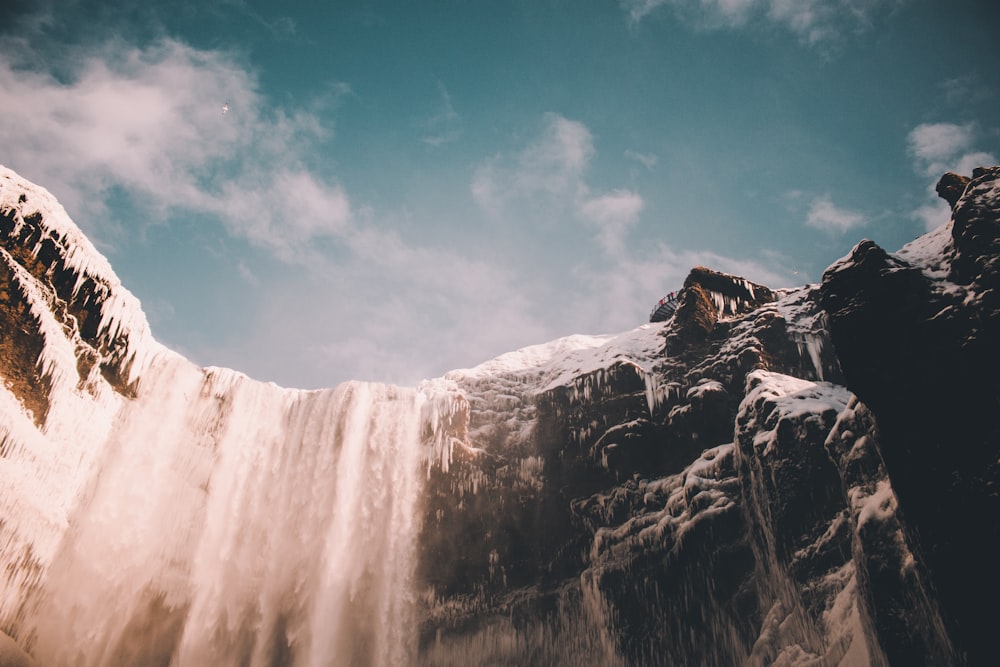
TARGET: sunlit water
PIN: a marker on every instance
(215, 520)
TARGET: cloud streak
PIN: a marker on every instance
(546, 181)
(648, 160)
(548, 178)
(445, 126)
(813, 21)
(549, 170)
(148, 121)
(825, 215)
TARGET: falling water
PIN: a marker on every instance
(215, 520)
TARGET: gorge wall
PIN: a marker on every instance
(771, 477)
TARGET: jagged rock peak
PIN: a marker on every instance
(951, 186)
(732, 295)
(709, 296)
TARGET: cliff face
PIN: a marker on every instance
(798, 476)
(770, 477)
(689, 492)
(917, 335)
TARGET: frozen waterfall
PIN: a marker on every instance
(213, 520)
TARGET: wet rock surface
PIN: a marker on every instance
(793, 477)
(917, 343)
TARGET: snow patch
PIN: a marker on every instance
(122, 318)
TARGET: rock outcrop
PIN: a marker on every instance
(917, 335)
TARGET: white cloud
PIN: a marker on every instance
(613, 213)
(713, 13)
(149, 122)
(547, 179)
(823, 214)
(969, 161)
(282, 210)
(933, 144)
(814, 21)
(648, 160)
(940, 147)
(551, 168)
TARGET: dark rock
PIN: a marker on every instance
(707, 297)
(917, 351)
(951, 186)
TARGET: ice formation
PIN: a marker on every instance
(235, 520)
(263, 520)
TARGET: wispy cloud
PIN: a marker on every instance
(613, 213)
(149, 121)
(824, 214)
(648, 160)
(444, 126)
(940, 147)
(549, 171)
(813, 21)
(547, 179)
(550, 175)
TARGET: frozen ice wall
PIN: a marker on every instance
(154, 513)
(215, 520)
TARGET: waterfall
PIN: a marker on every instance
(214, 520)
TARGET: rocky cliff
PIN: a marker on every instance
(802, 476)
(771, 477)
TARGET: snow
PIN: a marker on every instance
(561, 361)
(932, 252)
(703, 388)
(877, 506)
(121, 312)
(295, 512)
(806, 322)
(533, 357)
(583, 364)
(789, 398)
(795, 397)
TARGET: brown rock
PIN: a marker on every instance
(950, 187)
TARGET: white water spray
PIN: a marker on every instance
(217, 520)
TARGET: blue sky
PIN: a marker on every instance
(403, 188)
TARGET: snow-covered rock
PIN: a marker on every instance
(917, 337)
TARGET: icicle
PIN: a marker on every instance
(57, 360)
